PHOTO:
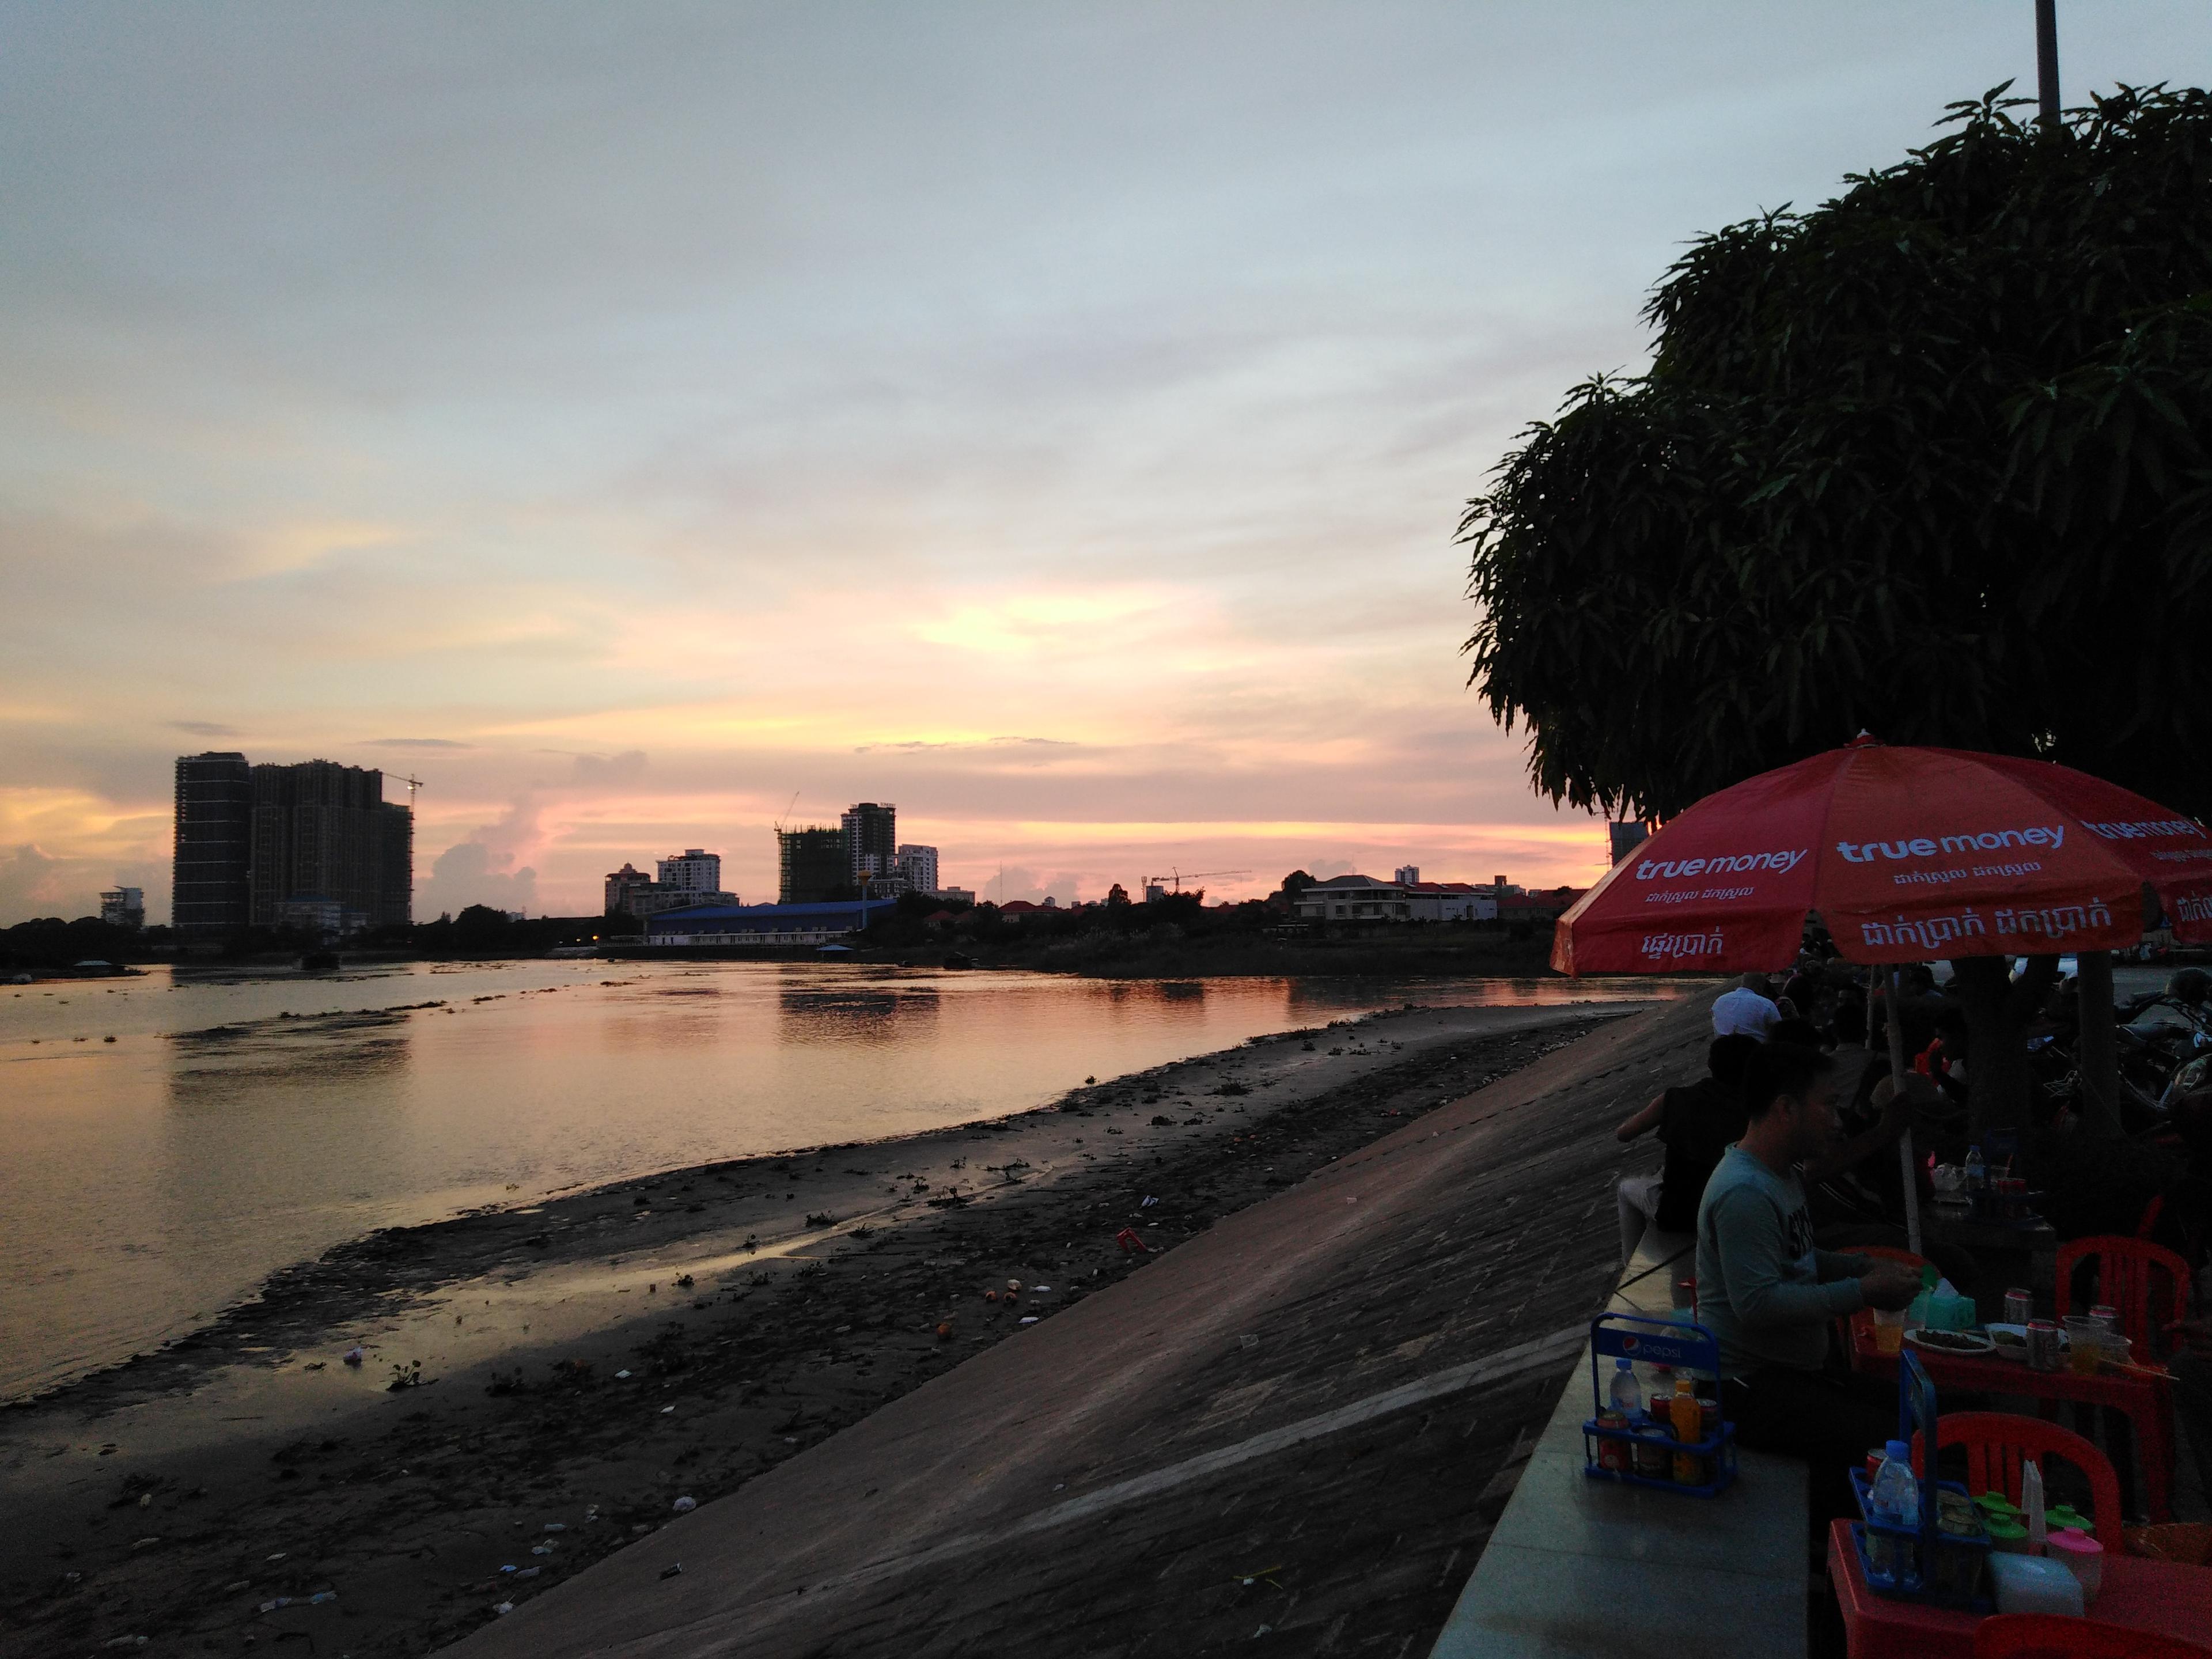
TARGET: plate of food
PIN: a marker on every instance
(1959, 1344)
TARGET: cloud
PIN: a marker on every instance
(484, 869)
(952, 745)
(464, 874)
(417, 743)
(611, 771)
(28, 878)
(203, 728)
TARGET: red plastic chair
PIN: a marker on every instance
(2128, 1271)
(2052, 1636)
(1997, 1442)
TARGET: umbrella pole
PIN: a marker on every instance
(2099, 1047)
(1897, 1073)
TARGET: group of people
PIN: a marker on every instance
(1778, 1162)
(1741, 1145)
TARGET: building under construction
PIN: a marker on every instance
(324, 837)
(313, 847)
(813, 865)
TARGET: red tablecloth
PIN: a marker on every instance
(2160, 1595)
(2147, 1401)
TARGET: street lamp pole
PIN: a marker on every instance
(2047, 59)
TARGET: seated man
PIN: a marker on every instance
(1771, 1296)
(1747, 1010)
(1697, 1123)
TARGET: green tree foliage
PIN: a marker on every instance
(1929, 460)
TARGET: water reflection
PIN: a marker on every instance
(220, 1062)
(858, 1013)
(244, 1123)
(276, 1119)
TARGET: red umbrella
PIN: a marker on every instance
(1909, 855)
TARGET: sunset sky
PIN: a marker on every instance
(1050, 419)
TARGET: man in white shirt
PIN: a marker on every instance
(1747, 1011)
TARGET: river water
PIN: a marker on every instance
(167, 1142)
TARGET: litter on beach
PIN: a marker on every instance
(685, 1505)
(671, 1570)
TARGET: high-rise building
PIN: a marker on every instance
(210, 896)
(630, 891)
(919, 866)
(123, 907)
(871, 839)
(324, 832)
(624, 886)
(397, 888)
(812, 866)
(692, 871)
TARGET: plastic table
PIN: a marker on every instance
(2159, 1595)
(2147, 1400)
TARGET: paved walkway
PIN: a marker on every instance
(1291, 1435)
(1587, 1568)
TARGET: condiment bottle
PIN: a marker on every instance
(2084, 1556)
(2031, 1504)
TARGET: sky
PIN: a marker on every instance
(645, 423)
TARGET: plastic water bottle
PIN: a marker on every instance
(1895, 1500)
(1625, 1396)
(1977, 1180)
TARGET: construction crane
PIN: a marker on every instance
(1173, 879)
(413, 784)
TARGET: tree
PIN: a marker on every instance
(1930, 460)
(481, 930)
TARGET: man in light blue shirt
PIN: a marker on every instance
(1771, 1296)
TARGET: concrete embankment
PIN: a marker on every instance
(1299, 1426)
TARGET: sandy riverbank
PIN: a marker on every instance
(757, 1306)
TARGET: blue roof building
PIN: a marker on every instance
(762, 924)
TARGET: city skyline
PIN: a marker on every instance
(1052, 421)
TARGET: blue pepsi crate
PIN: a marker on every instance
(1651, 1340)
(1924, 1563)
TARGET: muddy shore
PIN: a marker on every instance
(587, 1362)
